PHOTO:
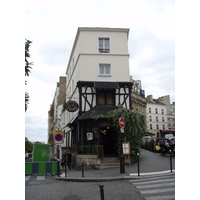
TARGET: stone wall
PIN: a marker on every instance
(89, 161)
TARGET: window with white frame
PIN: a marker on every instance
(151, 126)
(104, 45)
(150, 118)
(104, 69)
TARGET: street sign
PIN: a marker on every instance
(121, 122)
(58, 137)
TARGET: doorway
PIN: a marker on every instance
(108, 139)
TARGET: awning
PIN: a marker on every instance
(95, 111)
(72, 120)
(106, 85)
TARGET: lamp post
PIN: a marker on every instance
(122, 170)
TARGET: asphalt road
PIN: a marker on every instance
(151, 162)
(49, 188)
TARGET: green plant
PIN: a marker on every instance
(134, 128)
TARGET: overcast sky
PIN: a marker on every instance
(52, 26)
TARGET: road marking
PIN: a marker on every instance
(152, 173)
(40, 178)
(156, 187)
(27, 178)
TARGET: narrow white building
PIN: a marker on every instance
(98, 79)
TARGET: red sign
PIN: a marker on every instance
(121, 122)
(58, 137)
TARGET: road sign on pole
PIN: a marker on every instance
(58, 137)
(121, 122)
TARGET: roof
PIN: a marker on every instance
(95, 111)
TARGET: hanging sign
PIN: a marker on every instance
(71, 106)
(89, 136)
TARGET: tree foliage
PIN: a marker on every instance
(134, 130)
(28, 146)
(27, 69)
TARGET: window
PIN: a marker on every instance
(156, 111)
(163, 127)
(163, 119)
(157, 118)
(150, 119)
(104, 45)
(151, 126)
(157, 126)
(105, 98)
(149, 110)
(162, 111)
(104, 69)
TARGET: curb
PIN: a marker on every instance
(107, 179)
(103, 179)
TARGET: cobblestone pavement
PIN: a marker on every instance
(49, 188)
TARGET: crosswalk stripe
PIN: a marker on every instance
(168, 197)
(156, 187)
(154, 181)
(159, 190)
(27, 178)
(38, 178)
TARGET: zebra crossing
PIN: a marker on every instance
(159, 187)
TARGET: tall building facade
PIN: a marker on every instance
(98, 79)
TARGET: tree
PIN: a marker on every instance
(28, 146)
(134, 130)
(27, 69)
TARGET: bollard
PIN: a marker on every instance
(65, 169)
(82, 169)
(138, 164)
(101, 192)
(170, 160)
(58, 167)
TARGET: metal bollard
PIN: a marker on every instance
(170, 159)
(58, 167)
(82, 169)
(138, 164)
(65, 169)
(101, 192)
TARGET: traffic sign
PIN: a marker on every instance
(121, 122)
(58, 137)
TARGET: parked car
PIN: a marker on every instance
(158, 141)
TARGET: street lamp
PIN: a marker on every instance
(122, 170)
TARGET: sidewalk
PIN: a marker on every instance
(149, 165)
(93, 175)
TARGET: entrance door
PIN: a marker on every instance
(108, 140)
